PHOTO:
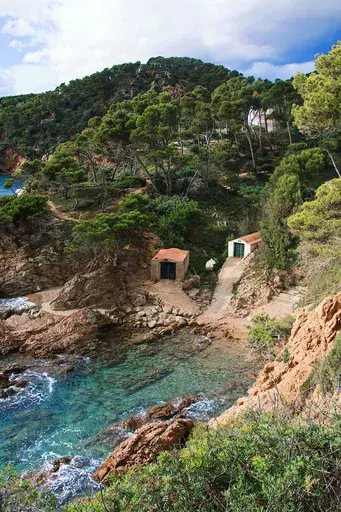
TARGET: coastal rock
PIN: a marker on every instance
(280, 383)
(78, 333)
(11, 386)
(93, 289)
(143, 446)
(33, 258)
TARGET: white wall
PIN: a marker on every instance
(247, 248)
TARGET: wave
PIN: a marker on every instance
(39, 388)
(72, 479)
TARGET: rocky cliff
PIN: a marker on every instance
(280, 382)
(33, 257)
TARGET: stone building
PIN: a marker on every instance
(169, 264)
(243, 246)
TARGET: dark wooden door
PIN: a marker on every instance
(168, 270)
(239, 250)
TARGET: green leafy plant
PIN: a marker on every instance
(265, 332)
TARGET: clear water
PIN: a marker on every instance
(7, 191)
(63, 415)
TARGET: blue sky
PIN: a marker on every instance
(46, 42)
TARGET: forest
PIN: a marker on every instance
(214, 154)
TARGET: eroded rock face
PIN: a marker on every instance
(280, 383)
(96, 288)
(47, 334)
(12, 160)
(143, 446)
(33, 259)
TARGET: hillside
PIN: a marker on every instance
(33, 125)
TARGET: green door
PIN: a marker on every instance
(238, 250)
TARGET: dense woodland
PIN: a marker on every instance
(173, 147)
(215, 154)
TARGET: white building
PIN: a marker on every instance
(243, 246)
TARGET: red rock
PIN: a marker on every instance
(143, 446)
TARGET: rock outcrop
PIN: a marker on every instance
(11, 160)
(95, 288)
(143, 446)
(33, 258)
(46, 335)
(280, 382)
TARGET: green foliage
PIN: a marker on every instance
(139, 202)
(325, 281)
(284, 197)
(319, 222)
(106, 231)
(21, 208)
(20, 495)
(37, 123)
(265, 332)
(326, 373)
(321, 91)
(177, 217)
(264, 462)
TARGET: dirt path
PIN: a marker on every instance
(60, 215)
(218, 314)
(171, 293)
(229, 274)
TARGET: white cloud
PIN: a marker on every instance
(18, 28)
(272, 71)
(78, 37)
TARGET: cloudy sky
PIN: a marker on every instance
(46, 42)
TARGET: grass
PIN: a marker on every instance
(324, 282)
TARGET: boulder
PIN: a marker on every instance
(143, 446)
(78, 333)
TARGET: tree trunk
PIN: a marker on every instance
(260, 130)
(191, 183)
(237, 142)
(289, 132)
(333, 162)
(267, 130)
(247, 133)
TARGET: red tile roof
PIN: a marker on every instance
(171, 254)
(254, 238)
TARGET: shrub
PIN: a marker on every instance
(177, 217)
(21, 208)
(324, 282)
(19, 495)
(327, 371)
(265, 332)
(263, 462)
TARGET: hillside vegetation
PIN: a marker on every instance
(193, 168)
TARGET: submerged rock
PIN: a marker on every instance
(9, 385)
(143, 446)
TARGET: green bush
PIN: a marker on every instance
(177, 218)
(263, 463)
(327, 371)
(324, 282)
(21, 208)
(265, 332)
(20, 495)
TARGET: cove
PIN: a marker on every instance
(7, 191)
(58, 416)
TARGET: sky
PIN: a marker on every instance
(47, 42)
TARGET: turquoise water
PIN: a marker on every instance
(62, 416)
(5, 191)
